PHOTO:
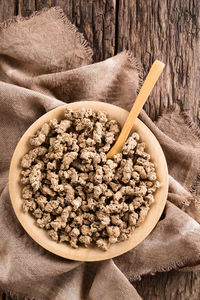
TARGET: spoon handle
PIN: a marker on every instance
(150, 81)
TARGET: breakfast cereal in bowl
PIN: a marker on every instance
(78, 197)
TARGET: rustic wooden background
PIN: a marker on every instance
(167, 30)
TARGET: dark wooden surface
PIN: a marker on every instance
(167, 30)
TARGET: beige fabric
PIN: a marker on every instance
(43, 63)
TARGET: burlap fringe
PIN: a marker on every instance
(176, 265)
(167, 110)
(188, 121)
(137, 65)
(78, 35)
(196, 132)
(193, 127)
(60, 16)
(194, 188)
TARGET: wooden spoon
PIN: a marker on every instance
(150, 81)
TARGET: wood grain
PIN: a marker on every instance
(170, 286)
(1, 295)
(8, 9)
(95, 19)
(168, 31)
(162, 29)
(26, 7)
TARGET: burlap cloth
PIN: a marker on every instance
(43, 59)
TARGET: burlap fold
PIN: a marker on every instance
(45, 62)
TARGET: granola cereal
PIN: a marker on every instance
(78, 195)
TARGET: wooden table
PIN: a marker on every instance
(167, 30)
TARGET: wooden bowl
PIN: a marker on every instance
(89, 254)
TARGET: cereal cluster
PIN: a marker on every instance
(76, 193)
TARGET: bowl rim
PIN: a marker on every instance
(84, 254)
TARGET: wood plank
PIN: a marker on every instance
(1, 295)
(170, 286)
(26, 7)
(8, 8)
(168, 31)
(95, 19)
